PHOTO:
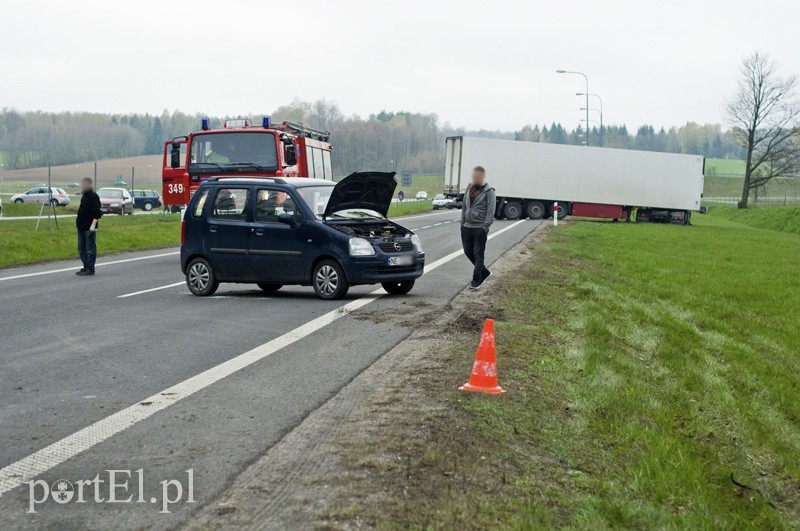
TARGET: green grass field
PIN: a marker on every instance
(646, 366)
(782, 219)
(724, 167)
(21, 244)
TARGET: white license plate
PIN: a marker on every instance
(400, 260)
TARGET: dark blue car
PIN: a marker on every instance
(278, 231)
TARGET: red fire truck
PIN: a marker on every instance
(286, 149)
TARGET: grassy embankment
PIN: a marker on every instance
(20, 244)
(646, 365)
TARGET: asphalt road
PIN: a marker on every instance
(126, 370)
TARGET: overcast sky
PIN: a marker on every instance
(478, 64)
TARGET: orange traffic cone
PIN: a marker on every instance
(484, 372)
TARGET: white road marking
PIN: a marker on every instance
(419, 216)
(73, 268)
(150, 290)
(30, 467)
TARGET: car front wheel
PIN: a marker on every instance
(399, 287)
(200, 278)
(18, 201)
(269, 288)
(329, 281)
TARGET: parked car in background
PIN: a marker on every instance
(115, 201)
(73, 185)
(39, 194)
(422, 195)
(441, 201)
(146, 199)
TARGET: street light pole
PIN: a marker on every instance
(601, 111)
(587, 97)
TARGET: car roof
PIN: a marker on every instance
(110, 188)
(297, 182)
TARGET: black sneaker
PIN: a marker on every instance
(90, 272)
(81, 272)
(486, 274)
(475, 285)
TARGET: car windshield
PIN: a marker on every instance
(316, 197)
(439, 196)
(234, 149)
(110, 194)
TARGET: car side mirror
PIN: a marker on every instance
(288, 219)
(175, 155)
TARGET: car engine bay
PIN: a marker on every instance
(372, 231)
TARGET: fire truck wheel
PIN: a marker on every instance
(200, 278)
(269, 288)
(329, 280)
(512, 210)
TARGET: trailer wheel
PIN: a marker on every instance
(535, 210)
(512, 210)
(562, 210)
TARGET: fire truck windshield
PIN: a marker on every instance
(213, 152)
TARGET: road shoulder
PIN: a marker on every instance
(350, 461)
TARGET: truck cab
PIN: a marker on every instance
(269, 150)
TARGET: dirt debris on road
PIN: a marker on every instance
(389, 441)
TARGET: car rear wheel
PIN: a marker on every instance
(54, 202)
(200, 278)
(269, 288)
(148, 206)
(399, 287)
(329, 281)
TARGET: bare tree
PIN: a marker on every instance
(764, 115)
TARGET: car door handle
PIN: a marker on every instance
(257, 232)
(212, 228)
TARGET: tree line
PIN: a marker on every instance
(384, 140)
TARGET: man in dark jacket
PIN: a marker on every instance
(88, 216)
(477, 215)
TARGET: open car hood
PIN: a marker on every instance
(372, 190)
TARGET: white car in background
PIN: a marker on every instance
(38, 194)
(422, 195)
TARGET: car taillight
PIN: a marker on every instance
(183, 232)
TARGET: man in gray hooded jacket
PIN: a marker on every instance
(477, 215)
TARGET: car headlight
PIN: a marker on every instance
(361, 247)
(417, 243)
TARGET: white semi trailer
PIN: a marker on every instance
(529, 177)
